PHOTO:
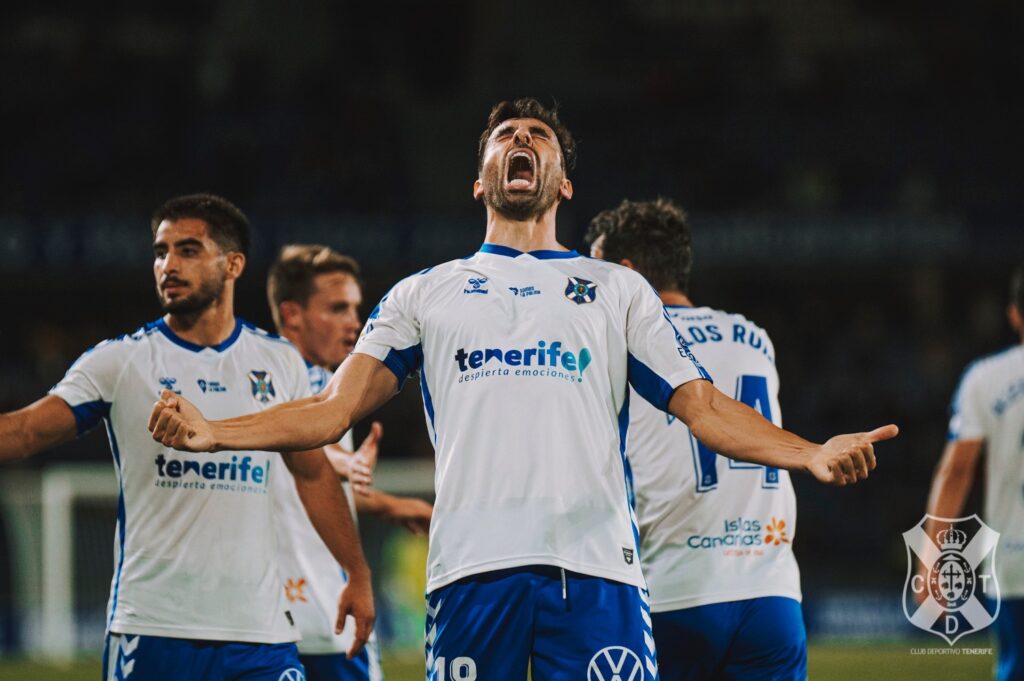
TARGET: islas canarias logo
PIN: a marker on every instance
(544, 359)
(743, 533)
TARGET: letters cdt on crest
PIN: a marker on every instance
(952, 574)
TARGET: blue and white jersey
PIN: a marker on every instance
(989, 406)
(195, 547)
(312, 578)
(523, 361)
(712, 529)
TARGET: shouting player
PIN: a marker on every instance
(196, 593)
(314, 295)
(715, 535)
(524, 350)
(988, 415)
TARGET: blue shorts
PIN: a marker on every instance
(337, 667)
(157, 658)
(1009, 631)
(493, 625)
(759, 638)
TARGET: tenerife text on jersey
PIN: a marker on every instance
(217, 476)
(544, 359)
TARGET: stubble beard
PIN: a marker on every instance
(206, 295)
(518, 206)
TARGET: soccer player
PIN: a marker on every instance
(523, 351)
(315, 294)
(988, 416)
(715, 535)
(196, 593)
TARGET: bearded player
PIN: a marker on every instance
(525, 351)
(196, 592)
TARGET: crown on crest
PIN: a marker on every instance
(950, 539)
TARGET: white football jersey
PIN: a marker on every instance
(988, 406)
(195, 547)
(312, 578)
(523, 361)
(712, 529)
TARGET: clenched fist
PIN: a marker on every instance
(175, 422)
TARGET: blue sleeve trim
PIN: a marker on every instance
(428, 403)
(650, 385)
(402, 363)
(88, 414)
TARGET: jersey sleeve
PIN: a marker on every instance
(659, 359)
(88, 386)
(967, 412)
(392, 331)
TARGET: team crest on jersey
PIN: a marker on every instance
(476, 285)
(953, 576)
(262, 386)
(581, 291)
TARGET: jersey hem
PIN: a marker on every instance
(201, 635)
(435, 583)
(725, 597)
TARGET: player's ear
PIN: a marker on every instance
(290, 313)
(478, 189)
(235, 264)
(1016, 319)
(565, 189)
(626, 262)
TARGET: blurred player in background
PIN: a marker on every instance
(523, 352)
(715, 535)
(196, 593)
(988, 416)
(315, 294)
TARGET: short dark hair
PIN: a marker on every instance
(229, 227)
(297, 265)
(528, 107)
(654, 235)
(1017, 288)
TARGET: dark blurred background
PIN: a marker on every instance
(849, 166)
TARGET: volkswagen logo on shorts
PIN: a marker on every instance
(615, 663)
(292, 674)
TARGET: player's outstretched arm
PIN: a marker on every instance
(360, 385)
(325, 504)
(737, 431)
(45, 423)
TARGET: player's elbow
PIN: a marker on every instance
(694, 403)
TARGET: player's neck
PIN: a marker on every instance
(296, 340)
(535, 234)
(211, 326)
(675, 298)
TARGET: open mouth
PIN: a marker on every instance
(521, 175)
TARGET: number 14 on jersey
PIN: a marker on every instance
(753, 392)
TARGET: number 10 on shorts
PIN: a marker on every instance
(461, 669)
